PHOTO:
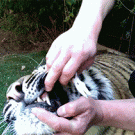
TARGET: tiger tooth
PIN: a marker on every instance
(46, 98)
(39, 99)
(81, 87)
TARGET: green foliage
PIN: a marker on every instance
(22, 16)
(70, 2)
(127, 7)
(19, 24)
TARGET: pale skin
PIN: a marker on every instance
(72, 52)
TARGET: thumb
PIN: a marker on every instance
(74, 108)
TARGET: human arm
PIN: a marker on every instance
(119, 113)
(75, 49)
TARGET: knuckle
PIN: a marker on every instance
(46, 57)
(82, 53)
(79, 129)
(48, 64)
(65, 77)
(79, 132)
(49, 85)
(63, 82)
(56, 68)
(66, 73)
(87, 102)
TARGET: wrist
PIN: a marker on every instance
(88, 22)
(115, 113)
(98, 112)
(90, 17)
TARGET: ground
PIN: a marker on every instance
(7, 45)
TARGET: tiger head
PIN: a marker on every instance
(29, 92)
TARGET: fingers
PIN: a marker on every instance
(56, 69)
(57, 123)
(80, 110)
(65, 67)
(74, 65)
(74, 108)
(60, 124)
(55, 50)
(65, 57)
(62, 134)
(69, 70)
(52, 55)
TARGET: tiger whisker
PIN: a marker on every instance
(2, 121)
(12, 131)
(3, 125)
(6, 129)
(1, 118)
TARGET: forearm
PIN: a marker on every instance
(118, 113)
(90, 17)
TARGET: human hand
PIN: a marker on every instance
(85, 112)
(69, 53)
(75, 49)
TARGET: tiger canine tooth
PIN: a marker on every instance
(46, 98)
(81, 87)
(39, 99)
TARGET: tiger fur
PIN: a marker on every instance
(116, 67)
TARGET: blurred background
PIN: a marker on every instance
(32, 25)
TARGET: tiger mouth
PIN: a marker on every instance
(51, 108)
(23, 91)
(43, 101)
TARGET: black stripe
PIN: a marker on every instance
(98, 82)
(6, 109)
(30, 80)
(81, 77)
(131, 83)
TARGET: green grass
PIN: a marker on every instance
(10, 71)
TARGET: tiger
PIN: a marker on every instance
(106, 79)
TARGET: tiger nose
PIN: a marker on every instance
(15, 92)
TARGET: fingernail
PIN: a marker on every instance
(47, 88)
(61, 111)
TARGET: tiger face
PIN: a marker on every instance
(29, 92)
